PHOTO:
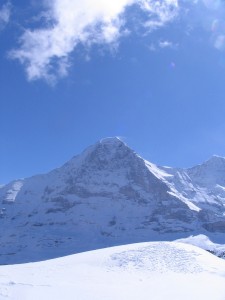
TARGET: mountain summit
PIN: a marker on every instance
(108, 195)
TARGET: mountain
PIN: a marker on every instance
(108, 195)
(156, 270)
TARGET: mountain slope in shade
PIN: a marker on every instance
(108, 196)
(157, 270)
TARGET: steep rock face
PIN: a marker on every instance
(106, 196)
(107, 168)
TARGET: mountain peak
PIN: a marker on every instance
(216, 157)
(108, 149)
(210, 173)
(215, 161)
(111, 144)
(108, 146)
(111, 141)
(105, 150)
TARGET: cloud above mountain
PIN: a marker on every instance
(45, 52)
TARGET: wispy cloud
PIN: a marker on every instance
(5, 12)
(160, 12)
(45, 52)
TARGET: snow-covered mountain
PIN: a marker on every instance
(156, 270)
(109, 196)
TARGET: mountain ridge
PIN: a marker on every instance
(108, 195)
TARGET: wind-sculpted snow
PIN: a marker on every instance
(162, 270)
(106, 196)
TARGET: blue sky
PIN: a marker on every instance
(73, 72)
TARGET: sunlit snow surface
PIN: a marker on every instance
(156, 271)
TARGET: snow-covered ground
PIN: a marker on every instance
(155, 270)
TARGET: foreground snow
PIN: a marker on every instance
(157, 271)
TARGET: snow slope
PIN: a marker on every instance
(106, 196)
(156, 270)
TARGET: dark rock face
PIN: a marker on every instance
(107, 196)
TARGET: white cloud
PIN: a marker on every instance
(45, 52)
(160, 12)
(4, 14)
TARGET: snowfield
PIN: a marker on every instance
(155, 270)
